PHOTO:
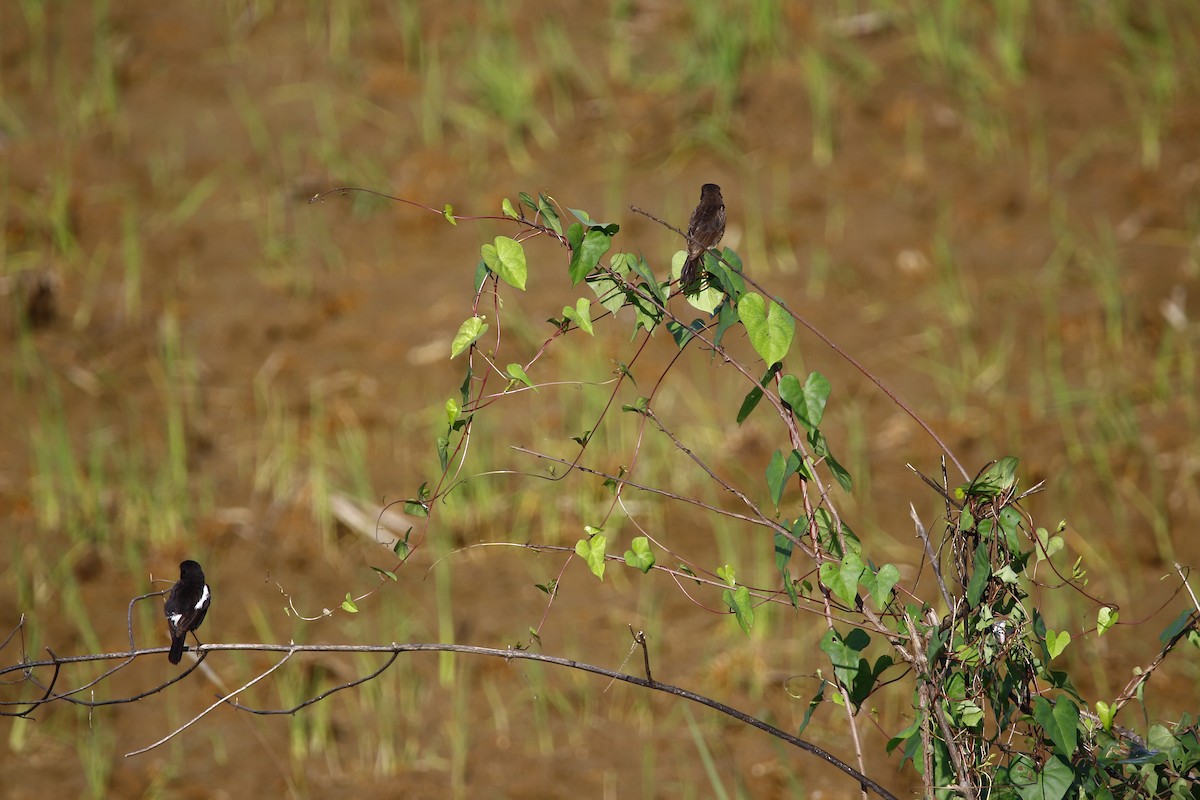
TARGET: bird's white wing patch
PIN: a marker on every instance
(175, 618)
(203, 598)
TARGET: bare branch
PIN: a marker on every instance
(206, 711)
(395, 649)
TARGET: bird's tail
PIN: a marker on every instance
(688, 275)
(177, 644)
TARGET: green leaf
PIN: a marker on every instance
(1159, 737)
(452, 411)
(639, 267)
(726, 319)
(587, 255)
(726, 573)
(1060, 721)
(1057, 642)
(827, 534)
(1106, 713)
(729, 277)
(738, 601)
(846, 654)
(507, 207)
(1175, 628)
(638, 406)
(783, 550)
(1047, 545)
(995, 480)
(820, 447)
(1052, 783)
(464, 388)
(776, 477)
(385, 574)
(681, 333)
(591, 550)
(517, 373)
(506, 258)
(574, 239)
(842, 578)
(790, 391)
(755, 395)
(548, 213)
(811, 409)
(448, 213)
(348, 604)
(771, 331)
(749, 403)
(1105, 619)
(840, 474)
(468, 333)
(880, 584)
(581, 315)
(789, 586)
(905, 734)
(967, 713)
(1010, 524)
(609, 293)
(807, 401)
(640, 556)
(416, 508)
(816, 700)
(979, 576)
(710, 295)
(610, 228)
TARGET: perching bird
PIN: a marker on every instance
(705, 230)
(186, 605)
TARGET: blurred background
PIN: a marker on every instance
(993, 206)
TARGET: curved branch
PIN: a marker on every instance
(396, 649)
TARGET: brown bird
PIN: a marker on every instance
(705, 230)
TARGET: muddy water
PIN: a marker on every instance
(940, 265)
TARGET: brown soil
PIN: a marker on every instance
(225, 123)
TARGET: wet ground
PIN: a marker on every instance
(196, 357)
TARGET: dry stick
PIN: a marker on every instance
(828, 615)
(1135, 684)
(933, 561)
(20, 624)
(507, 655)
(926, 738)
(925, 677)
(205, 712)
(1186, 585)
(833, 346)
(50, 696)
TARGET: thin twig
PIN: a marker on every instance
(206, 711)
(895, 398)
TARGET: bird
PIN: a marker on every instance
(705, 230)
(187, 603)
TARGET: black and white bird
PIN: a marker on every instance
(186, 605)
